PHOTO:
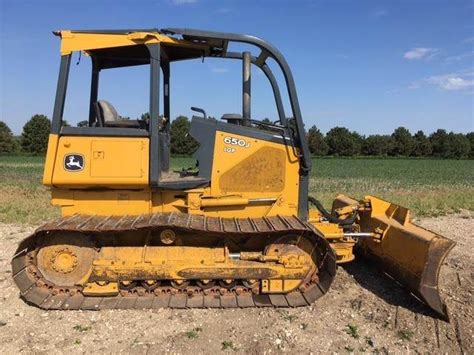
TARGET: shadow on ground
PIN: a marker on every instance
(369, 276)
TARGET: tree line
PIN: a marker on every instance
(339, 141)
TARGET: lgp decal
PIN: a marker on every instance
(73, 162)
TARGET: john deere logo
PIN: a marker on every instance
(74, 162)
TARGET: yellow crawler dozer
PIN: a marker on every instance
(235, 231)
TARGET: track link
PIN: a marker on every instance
(37, 291)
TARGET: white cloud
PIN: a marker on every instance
(419, 53)
(453, 81)
(458, 81)
(183, 2)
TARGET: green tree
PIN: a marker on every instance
(440, 143)
(7, 143)
(17, 143)
(316, 143)
(422, 145)
(470, 136)
(342, 142)
(34, 138)
(403, 142)
(266, 120)
(181, 141)
(359, 142)
(83, 123)
(459, 146)
(377, 145)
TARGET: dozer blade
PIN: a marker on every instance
(412, 255)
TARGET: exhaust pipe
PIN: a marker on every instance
(246, 63)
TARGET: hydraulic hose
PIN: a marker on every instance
(331, 217)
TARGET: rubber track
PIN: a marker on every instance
(34, 291)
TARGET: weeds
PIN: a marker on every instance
(353, 331)
(285, 315)
(194, 333)
(349, 349)
(77, 342)
(405, 334)
(227, 344)
(82, 328)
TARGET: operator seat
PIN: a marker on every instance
(108, 111)
(107, 116)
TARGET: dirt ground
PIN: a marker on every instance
(363, 312)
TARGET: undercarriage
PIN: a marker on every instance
(173, 260)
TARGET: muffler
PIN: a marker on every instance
(412, 255)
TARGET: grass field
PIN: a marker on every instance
(428, 187)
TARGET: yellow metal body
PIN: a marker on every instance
(115, 180)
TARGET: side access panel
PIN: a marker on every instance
(101, 161)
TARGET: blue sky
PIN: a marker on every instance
(368, 65)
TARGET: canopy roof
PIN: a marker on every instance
(119, 48)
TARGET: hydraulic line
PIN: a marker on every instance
(331, 217)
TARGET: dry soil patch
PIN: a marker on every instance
(363, 312)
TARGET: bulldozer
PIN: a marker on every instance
(239, 229)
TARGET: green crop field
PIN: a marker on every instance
(428, 187)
